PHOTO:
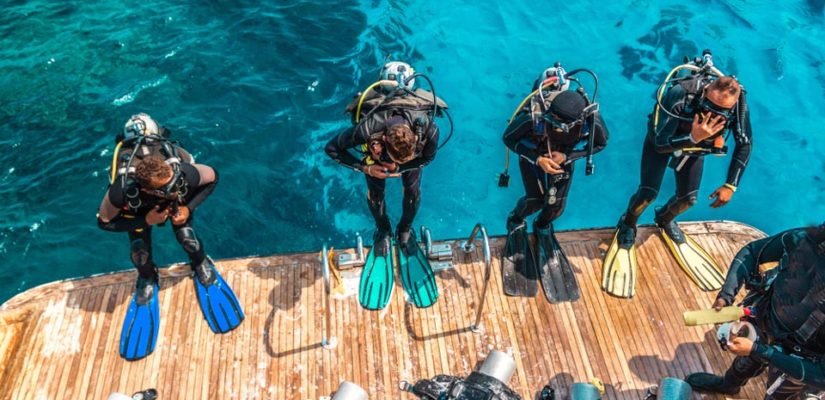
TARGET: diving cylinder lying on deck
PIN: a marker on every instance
(584, 391)
(673, 389)
(498, 365)
(489, 381)
(349, 391)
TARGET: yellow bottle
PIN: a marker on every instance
(711, 316)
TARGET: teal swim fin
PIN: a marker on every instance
(142, 322)
(557, 277)
(377, 280)
(416, 273)
(219, 305)
(518, 269)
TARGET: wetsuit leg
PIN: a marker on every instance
(190, 242)
(533, 178)
(788, 389)
(688, 179)
(653, 169)
(741, 371)
(141, 252)
(375, 201)
(412, 198)
(550, 212)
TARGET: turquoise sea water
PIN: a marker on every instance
(256, 91)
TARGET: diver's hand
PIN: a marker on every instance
(710, 125)
(157, 216)
(719, 304)
(182, 216)
(377, 171)
(722, 196)
(558, 157)
(740, 346)
(548, 165)
(392, 169)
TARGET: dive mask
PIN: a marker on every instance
(708, 106)
(567, 127)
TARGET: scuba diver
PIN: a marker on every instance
(689, 121)
(546, 135)
(396, 135)
(788, 318)
(153, 181)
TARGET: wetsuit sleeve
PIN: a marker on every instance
(599, 140)
(427, 153)
(746, 263)
(517, 137)
(201, 189)
(667, 137)
(809, 372)
(341, 146)
(742, 135)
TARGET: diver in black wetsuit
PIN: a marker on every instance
(689, 122)
(789, 302)
(698, 114)
(161, 183)
(560, 126)
(546, 157)
(396, 137)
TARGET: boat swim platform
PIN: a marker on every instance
(60, 340)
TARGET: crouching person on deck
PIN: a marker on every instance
(789, 316)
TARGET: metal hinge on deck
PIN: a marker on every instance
(440, 255)
(349, 260)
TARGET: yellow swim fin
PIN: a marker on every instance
(700, 267)
(620, 268)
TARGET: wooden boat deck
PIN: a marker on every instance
(60, 340)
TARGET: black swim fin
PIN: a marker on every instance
(518, 269)
(557, 276)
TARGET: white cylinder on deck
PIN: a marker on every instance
(349, 391)
(498, 365)
(119, 396)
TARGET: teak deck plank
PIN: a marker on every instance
(61, 339)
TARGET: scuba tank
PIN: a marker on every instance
(551, 82)
(395, 90)
(489, 382)
(694, 75)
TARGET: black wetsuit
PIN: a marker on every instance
(797, 294)
(340, 149)
(521, 138)
(135, 204)
(673, 135)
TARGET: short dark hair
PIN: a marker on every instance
(151, 169)
(401, 142)
(726, 85)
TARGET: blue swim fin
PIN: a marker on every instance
(219, 305)
(142, 322)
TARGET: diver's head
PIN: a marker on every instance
(398, 71)
(568, 106)
(565, 115)
(401, 142)
(140, 125)
(720, 97)
(153, 173)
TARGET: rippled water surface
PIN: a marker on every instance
(256, 90)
